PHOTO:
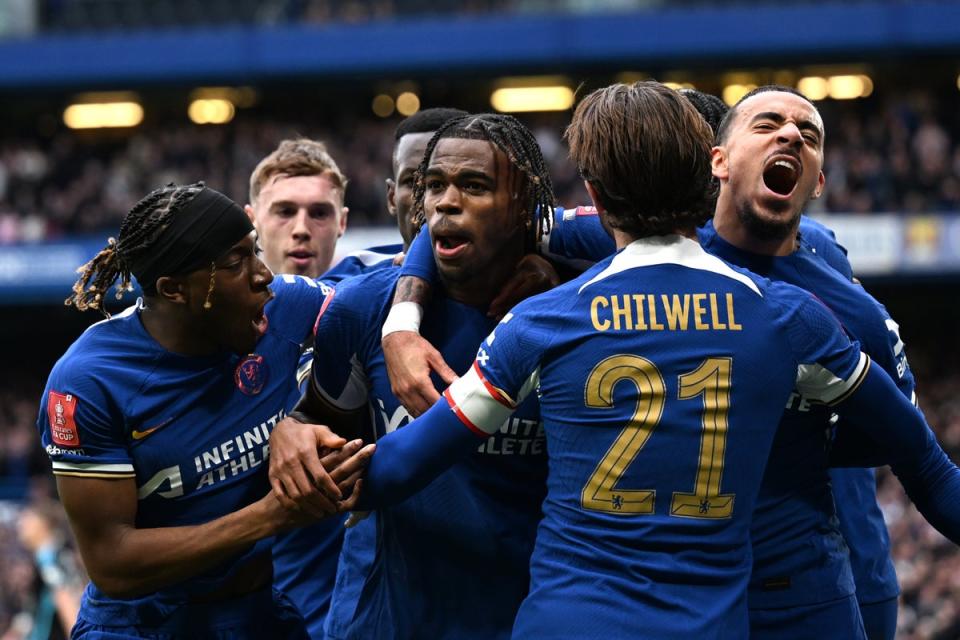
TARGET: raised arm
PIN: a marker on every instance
(928, 475)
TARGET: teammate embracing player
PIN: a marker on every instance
(662, 373)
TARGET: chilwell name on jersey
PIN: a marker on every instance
(237, 455)
(677, 312)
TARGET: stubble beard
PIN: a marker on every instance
(766, 229)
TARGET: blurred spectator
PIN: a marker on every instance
(44, 533)
(899, 153)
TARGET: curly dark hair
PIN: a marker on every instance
(645, 150)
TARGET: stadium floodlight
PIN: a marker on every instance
(408, 103)
(524, 99)
(211, 111)
(848, 87)
(733, 92)
(382, 105)
(100, 111)
(814, 87)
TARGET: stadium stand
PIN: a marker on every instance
(897, 153)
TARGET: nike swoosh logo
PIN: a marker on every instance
(140, 435)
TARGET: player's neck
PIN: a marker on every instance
(729, 227)
(173, 331)
(476, 291)
(622, 238)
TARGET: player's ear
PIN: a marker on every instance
(343, 221)
(391, 197)
(172, 289)
(594, 196)
(249, 211)
(821, 181)
(719, 163)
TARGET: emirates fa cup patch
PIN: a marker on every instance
(251, 374)
(63, 428)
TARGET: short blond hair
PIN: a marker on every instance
(293, 158)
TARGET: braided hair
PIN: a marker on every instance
(140, 228)
(523, 152)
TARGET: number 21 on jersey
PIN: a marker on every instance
(711, 380)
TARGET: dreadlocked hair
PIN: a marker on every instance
(140, 228)
(517, 142)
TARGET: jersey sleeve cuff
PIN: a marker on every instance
(93, 469)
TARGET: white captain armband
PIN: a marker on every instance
(403, 316)
(479, 405)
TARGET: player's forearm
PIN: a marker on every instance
(135, 561)
(932, 481)
(935, 491)
(408, 459)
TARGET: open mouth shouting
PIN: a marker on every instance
(260, 322)
(449, 246)
(781, 174)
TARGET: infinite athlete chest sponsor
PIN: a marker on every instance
(237, 455)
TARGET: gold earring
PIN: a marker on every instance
(213, 270)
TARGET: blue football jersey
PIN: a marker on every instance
(577, 238)
(800, 546)
(425, 567)
(823, 241)
(305, 559)
(821, 572)
(192, 431)
(661, 373)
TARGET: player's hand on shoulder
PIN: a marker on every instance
(410, 359)
(297, 476)
(534, 275)
(399, 258)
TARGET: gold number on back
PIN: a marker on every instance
(600, 492)
(711, 380)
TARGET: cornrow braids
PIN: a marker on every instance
(520, 146)
(140, 228)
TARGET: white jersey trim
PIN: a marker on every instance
(368, 258)
(819, 383)
(481, 406)
(671, 249)
(61, 467)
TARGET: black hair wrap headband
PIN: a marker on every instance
(198, 233)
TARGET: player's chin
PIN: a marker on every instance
(243, 340)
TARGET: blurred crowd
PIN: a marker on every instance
(896, 153)
(74, 184)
